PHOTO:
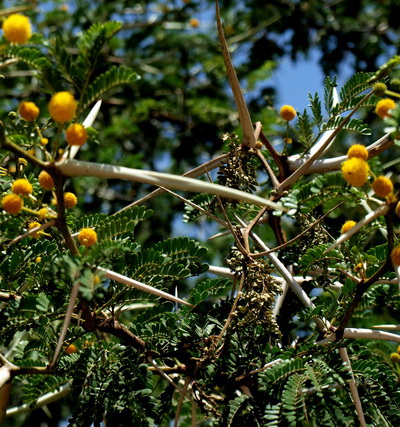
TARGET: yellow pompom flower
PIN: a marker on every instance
(355, 171)
(22, 186)
(382, 186)
(395, 256)
(87, 237)
(12, 203)
(194, 22)
(395, 357)
(42, 213)
(44, 141)
(76, 134)
(62, 107)
(17, 28)
(383, 106)
(28, 111)
(71, 349)
(36, 234)
(46, 180)
(359, 151)
(287, 113)
(70, 200)
(347, 226)
(38, 259)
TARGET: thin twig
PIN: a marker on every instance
(182, 397)
(381, 210)
(32, 231)
(290, 242)
(353, 387)
(199, 208)
(68, 314)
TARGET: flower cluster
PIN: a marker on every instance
(287, 113)
(384, 106)
(62, 107)
(87, 237)
(13, 203)
(17, 29)
(355, 171)
(347, 226)
(28, 111)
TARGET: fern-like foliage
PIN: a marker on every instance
(354, 125)
(307, 196)
(202, 200)
(112, 78)
(31, 56)
(92, 41)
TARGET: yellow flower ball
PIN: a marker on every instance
(355, 171)
(22, 186)
(17, 28)
(70, 200)
(395, 357)
(71, 349)
(62, 107)
(347, 226)
(46, 180)
(38, 259)
(42, 213)
(382, 186)
(194, 22)
(395, 256)
(44, 141)
(28, 111)
(383, 106)
(359, 151)
(87, 237)
(287, 113)
(36, 234)
(12, 203)
(76, 134)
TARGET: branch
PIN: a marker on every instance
(244, 116)
(138, 285)
(361, 333)
(46, 399)
(335, 163)
(302, 170)
(381, 210)
(80, 168)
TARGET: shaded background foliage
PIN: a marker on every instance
(174, 117)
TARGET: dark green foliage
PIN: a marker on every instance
(241, 361)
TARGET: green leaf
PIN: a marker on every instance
(354, 125)
(315, 105)
(30, 55)
(114, 77)
(92, 41)
(304, 125)
(206, 288)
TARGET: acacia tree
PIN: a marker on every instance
(290, 330)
